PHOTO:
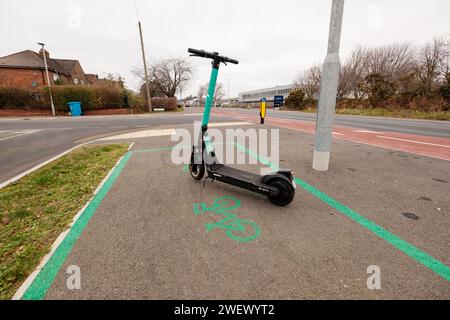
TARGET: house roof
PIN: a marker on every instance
(32, 60)
(68, 65)
(91, 77)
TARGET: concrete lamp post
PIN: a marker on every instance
(328, 91)
(48, 78)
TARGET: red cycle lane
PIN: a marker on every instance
(434, 147)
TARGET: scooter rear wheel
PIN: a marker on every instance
(197, 171)
(285, 193)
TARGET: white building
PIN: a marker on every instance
(269, 94)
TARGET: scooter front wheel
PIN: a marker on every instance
(197, 171)
(285, 193)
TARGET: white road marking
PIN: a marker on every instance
(193, 114)
(19, 134)
(365, 131)
(338, 134)
(228, 124)
(413, 141)
(164, 132)
(141, 134)
(282, 121)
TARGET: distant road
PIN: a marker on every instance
(26, 143)
(418, 127)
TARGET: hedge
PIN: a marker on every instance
(91, 97)
(168, 104)
(13, 98)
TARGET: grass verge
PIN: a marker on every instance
(35, 210)
(442, 115)
(379, 112)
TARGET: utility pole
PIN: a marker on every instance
(48, 78)
(147, 86)
(328, 91)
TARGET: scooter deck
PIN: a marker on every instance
(236, 173)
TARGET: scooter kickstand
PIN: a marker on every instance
(204, 181)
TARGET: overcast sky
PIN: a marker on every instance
(273, 40)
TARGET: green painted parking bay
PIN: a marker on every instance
(146, 240)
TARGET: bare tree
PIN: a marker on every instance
(399, 71)
(218, 94)
(390, 61)
(432, 65)
(351, 79)
(201, 94)
(309, 81)
(168, 75)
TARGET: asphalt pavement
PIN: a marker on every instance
(149, 238)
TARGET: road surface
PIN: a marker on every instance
(411, 126)
(25, 143)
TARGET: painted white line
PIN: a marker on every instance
(228, 124)
(394, 149)
(338, 134)
(20, 133)
(418, 142)
(364, 131)
(26, 284)
(282, 121)
(4, 184)
(141, 134)
(193, 114)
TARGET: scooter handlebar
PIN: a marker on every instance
(233, 61)
(200, 53)
(212, 55)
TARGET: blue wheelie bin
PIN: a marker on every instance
(75, 108)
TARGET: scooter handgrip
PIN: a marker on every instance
(201, 53)
(232, 61)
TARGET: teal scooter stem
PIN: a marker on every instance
(279, 187)
(210, 97)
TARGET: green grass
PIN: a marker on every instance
(380, 112)
(38, 207)
(442, 115)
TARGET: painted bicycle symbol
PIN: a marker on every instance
(236, 229)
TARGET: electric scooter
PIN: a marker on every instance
(279, 187)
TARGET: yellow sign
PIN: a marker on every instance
(263, 108)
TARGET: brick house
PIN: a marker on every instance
(94, 80)
(26, 69)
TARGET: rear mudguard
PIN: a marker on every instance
(285, 175)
